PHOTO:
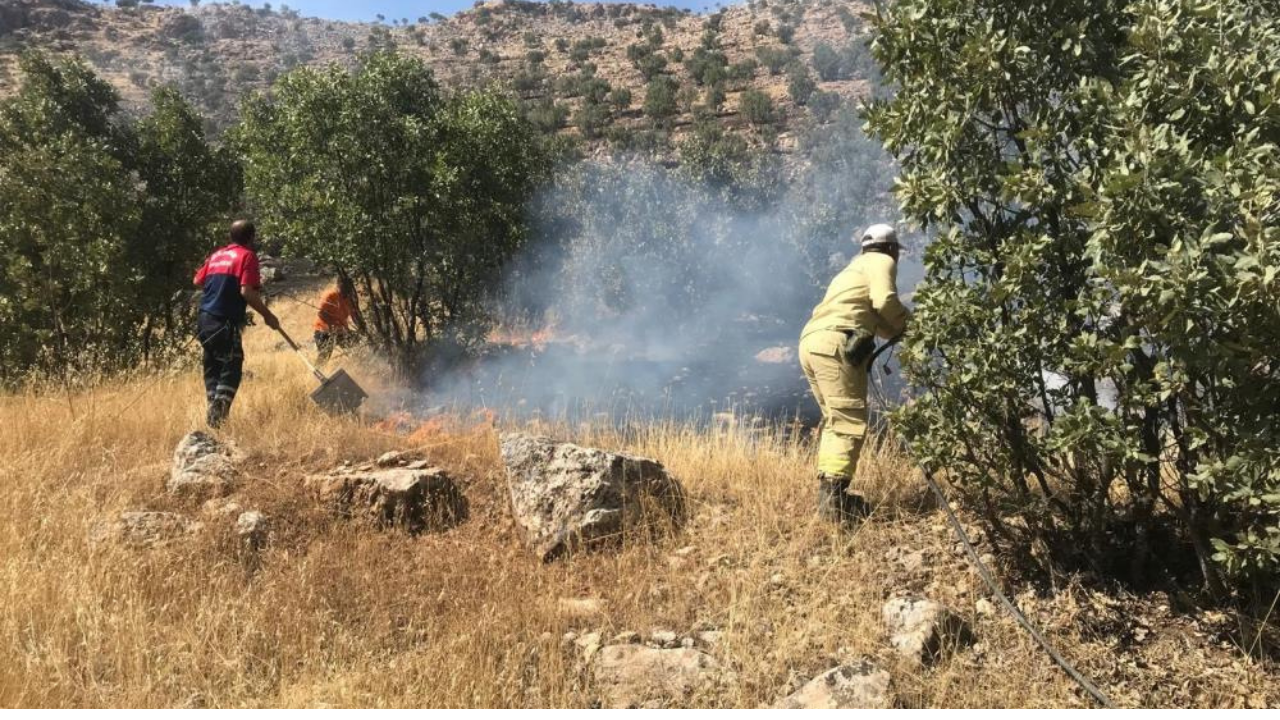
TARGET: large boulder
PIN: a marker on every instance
(145, 528)
(631, 676)
(566, 497)
(413, 500)
(922, 630)
(202, 466)
(847, 687)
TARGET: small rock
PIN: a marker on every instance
(688, 642)
(146, 529)
(857, 685)
(419, 465)
(711, 638)
(252, 528)
(985, 607)
(685, 551)
(415, 500)
(202, 466)
(588, 645)
(389, 459)
(664, 638)
(271, 274)
(921, 630)
(625, 638)
(632, 676)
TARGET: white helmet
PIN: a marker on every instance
(880, 234)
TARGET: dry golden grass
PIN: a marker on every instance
(339, 614)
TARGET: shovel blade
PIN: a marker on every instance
(339, 394)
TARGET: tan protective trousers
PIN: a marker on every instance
(841, 392)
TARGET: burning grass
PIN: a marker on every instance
(337, 614)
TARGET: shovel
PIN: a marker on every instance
(337, 393)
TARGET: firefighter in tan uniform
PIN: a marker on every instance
(835, 348)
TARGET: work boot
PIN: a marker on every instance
(218, 411)
(831, 493)
(854, 507)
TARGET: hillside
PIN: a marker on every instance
(804, 55)
(332, 612)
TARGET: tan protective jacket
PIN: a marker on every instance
(863, 296)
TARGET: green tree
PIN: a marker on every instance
(827, 62)
(102, 221)
(660, 99)
(757, 107)
(1095, 338)
(800, 85)
(416, 196)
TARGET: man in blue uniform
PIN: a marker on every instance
(231, 281)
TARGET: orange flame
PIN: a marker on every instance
(536, 339)
(420, 432)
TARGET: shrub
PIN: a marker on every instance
(591, 118)
(620, 98)
(827, 62)
(823, 104)
(706, 66)
(800, 85)
(1095, 337)
(660, 98)
(775, 58)
(546, 115)
(757, 107)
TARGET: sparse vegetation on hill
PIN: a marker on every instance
(218, 53)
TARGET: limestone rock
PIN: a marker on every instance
(202, 466)
(631, 676)
(921, 630)
(859, 685)
(588, 645)
(413, 500)
(391, 459)
(252, 528)
(664, 638)
(146, 528)
(565, 497)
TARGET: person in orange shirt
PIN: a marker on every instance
(333, 322)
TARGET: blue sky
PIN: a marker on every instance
(412, 9)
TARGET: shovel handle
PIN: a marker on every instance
(314, 371)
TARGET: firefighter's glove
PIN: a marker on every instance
(858, 347)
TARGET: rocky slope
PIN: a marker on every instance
(550, 54)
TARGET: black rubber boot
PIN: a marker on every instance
(218, 411)
(854, 507)
(831, 494)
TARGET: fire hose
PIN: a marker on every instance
(983, 572)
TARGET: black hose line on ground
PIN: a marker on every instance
(987, 578)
